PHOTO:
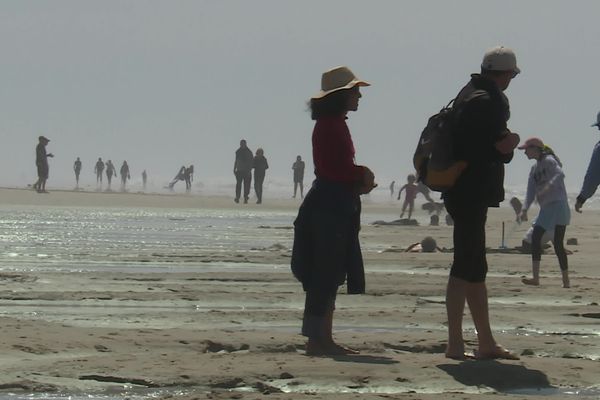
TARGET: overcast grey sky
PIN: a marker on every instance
(166, 83)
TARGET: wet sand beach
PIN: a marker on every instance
(208, 323)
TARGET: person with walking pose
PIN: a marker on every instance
(546, 184)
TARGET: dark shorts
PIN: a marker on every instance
(42, 171)
(470, 263)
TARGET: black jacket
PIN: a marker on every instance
(480, 123)
(326, 248)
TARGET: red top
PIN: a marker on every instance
(333, 151)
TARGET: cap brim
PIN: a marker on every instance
(349, 85)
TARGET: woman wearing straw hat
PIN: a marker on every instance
(326, 249)
(546, 184)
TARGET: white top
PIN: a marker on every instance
(546, 182)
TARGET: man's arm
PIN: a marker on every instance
(591, 180)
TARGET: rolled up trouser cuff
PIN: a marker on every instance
(314, 326)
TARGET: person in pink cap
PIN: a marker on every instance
(546, 184)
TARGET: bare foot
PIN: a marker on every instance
(531, 282)
(496, 353)
(327, 349)
(460, 356)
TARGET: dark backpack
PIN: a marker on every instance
(434, 156)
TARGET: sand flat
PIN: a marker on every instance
(210, 332)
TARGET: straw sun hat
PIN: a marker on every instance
(338, 78)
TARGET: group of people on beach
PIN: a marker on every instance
(245, 162)
(326, 251)
(41, 161)
(111, 171)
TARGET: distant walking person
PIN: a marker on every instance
(124, 175)
(411, 190)
(242, 169)
(98, 169)
(77, 169)
(260, 166)
(482, 139)
(546, 184)
(110, 172)
(592, 176)
(392, 188)
(298, 168)
(326, 251)
(41, 162)
(189, 178)
(144, 179)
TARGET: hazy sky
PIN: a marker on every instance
(166, 83)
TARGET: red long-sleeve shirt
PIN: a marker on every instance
(333, 151)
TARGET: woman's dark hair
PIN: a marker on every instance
(335, 103)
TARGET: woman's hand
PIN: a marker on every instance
(368, 181)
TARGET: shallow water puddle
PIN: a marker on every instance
(296, 387)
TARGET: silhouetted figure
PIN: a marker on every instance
(41, 161)
(189, 177)
(77, 169)
(326, 251)
(144, 178)
(179, 177)
(110, 172)
(592, 174)
(242, 169)
(98, 169)
(298, 168)
(124, 175)
(410, 196)
(392, 188)
(260, 167)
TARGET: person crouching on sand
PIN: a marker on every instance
(326, 249)
(546, 184)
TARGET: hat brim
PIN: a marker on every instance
(349, 85)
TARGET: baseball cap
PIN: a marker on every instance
(43, 138)
(500, 58)
(532, 142)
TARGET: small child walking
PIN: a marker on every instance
(410, 196)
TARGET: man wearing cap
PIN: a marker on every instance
(482, 139)
(592, 176)
(41, 161)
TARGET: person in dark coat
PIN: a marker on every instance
(326, 251)
(298, 168)
(41, 162)
(242, 169)
(482, 139)
(260, 166)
